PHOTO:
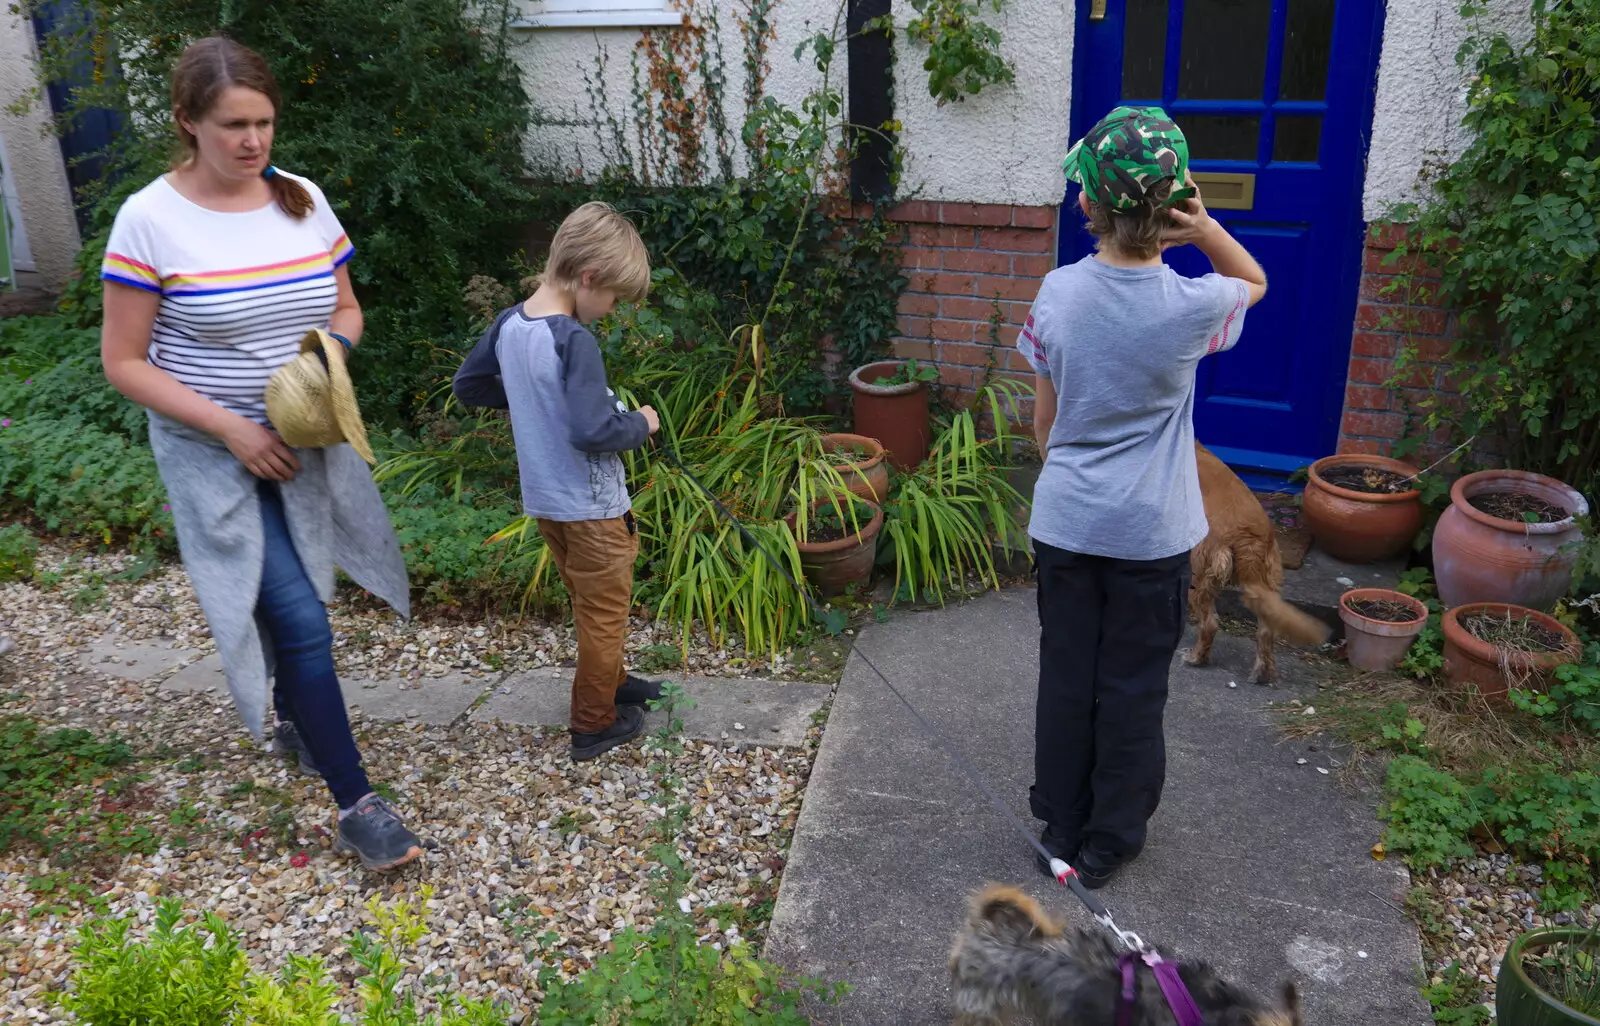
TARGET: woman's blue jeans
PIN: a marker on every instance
(305, 688)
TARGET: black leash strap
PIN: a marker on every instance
(1064, 873)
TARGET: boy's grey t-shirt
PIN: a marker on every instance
(1121, 345)
(568, 424)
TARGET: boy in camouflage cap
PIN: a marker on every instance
(1114, 341)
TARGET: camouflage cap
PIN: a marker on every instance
(1127, 154)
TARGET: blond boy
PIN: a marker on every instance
(540, 362)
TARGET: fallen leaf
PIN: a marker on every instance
(1379, 852)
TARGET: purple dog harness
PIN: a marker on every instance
(1183, 1007)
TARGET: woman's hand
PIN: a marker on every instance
(262, 452)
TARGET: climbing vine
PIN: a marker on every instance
(963, 49)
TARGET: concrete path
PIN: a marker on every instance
(755, 712)
(1256, 864)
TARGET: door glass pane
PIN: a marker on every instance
(1144, 49)
(1224, 54)
(1220, 136)
(1307, 43)
(1297, 139)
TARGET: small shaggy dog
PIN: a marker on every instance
(1242, 547)
(1012, 960)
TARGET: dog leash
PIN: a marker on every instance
(1064, 873)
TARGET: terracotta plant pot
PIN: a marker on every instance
(896, 415)
(867, 477)
(1494, 670)
(1379, 644)
(832, 566)
(1481, 558)
(1518, 1001)
(1359, 527)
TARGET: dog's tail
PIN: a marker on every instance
(1011, 914)
(1286, 621)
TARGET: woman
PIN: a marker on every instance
(213, 273)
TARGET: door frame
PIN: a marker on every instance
(1342, 291)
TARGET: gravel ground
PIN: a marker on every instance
(1471, 913)
(522, 842)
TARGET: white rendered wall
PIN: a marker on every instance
(1422, 94)
(34, 162)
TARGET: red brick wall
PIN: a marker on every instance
(972, 270)
(1398, 304)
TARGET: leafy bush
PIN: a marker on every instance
(448, 558)
(18, 548)
(68, 381)
(409, 114)
(1574, 696)
(1511, 229)
(78, 480)
(198, 974)
(1430, 814)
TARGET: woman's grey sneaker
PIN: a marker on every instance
(5, 643)
(628, 725)
(638, 691)
(374, 832)
(288, 740)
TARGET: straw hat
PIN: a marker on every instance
(312, 403)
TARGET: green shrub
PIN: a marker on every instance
(1430, 814)
(448, 557)
(1510, 226)
(409, 114)
(72, 385)
(1575, 695)
(18, 548)
(198, 976)
(78, 480)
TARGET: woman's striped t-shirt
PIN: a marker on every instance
(238, 290)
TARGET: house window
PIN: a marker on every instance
(549, 14)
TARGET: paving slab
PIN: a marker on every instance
(757, 712)
(198, 677)
(1254, 863)
(437, 701)
(134, 660)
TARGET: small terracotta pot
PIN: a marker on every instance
(868, 477)
(896, 415)
(832, 566)
(1518, 1001)
(1494, 670)
(1358, 527)
(1480, 558)
(1378, 644)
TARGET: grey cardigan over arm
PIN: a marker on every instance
(336, 518)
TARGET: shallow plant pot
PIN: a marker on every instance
(1481, 558)
(832, 566)
(1376, 645)
(896, 415)
(1518, 1001)
(1493, 670)
(1359, 527)
(868, 477)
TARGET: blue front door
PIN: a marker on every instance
(1275, 98)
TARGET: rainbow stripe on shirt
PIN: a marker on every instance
(127, 271)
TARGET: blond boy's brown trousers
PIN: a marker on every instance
(596, 559)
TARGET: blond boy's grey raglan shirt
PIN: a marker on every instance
(568, 424)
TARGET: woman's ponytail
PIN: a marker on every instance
(291, 197)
